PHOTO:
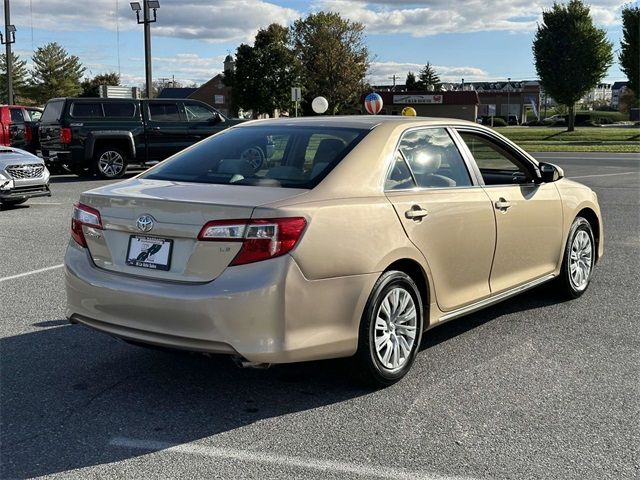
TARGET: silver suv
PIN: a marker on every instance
(22, 176)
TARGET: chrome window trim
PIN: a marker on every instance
(418, 189)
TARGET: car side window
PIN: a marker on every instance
(497, 165)
(434, 159)
(34, 115)
(118, 109)
(164, 112)
(399, 177)
(197, 113)
(16, 115)
(86, 110)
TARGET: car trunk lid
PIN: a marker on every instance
(177, 212)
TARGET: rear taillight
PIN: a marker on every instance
(87, 216)
(65, 136)
(261, 238)
(28, 134)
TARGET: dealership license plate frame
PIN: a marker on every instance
(151, 265)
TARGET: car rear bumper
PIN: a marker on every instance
(266, 312)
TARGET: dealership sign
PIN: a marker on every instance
(417, 99)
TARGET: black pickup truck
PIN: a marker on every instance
(102, 136)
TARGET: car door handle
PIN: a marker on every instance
(416, 213)
(502, 204)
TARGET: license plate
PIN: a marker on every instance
(149, 252)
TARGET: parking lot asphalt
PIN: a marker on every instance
(532, 388)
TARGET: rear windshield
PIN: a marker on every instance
(273, 156)
(52, 112)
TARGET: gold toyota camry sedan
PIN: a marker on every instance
(300, 239)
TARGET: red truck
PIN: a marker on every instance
(19, 127)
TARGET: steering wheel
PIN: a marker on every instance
(254, 156)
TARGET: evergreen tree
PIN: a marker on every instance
(428, 76)
(410, 83)
(55, 73)
(18, 74)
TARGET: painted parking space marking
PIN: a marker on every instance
(32, 272)
(366, 471)
(604, 175)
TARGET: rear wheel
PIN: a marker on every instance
(390, 330)
(109, 163)
(579, 259)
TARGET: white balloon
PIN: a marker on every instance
(319, 105)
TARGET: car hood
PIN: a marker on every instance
(15, 156)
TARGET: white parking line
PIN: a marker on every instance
(604, 175)
(32, 272)
(333, 466)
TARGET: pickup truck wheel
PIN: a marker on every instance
(109, 163)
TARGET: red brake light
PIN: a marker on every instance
(65, 135)
(84, 215)
(261, 238)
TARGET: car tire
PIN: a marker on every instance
(388, 314)
(109, 163)
(11, 203)
(578, 260)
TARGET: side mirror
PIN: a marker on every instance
(550, 172)
(216, 118)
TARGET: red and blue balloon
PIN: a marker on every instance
(373, 103)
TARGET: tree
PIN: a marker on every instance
(18, 75)
(333, 57)
(55, 73)
(629, 56)
(428, 76)
(91, 86)
(265, 72)
(571, 54)
(410, 83)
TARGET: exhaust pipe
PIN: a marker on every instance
(242, 362)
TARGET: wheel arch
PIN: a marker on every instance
(419, 276)
(591, 217)
(97, 140)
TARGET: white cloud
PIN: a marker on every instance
(421, 18)
(216, 22)
(379, 72)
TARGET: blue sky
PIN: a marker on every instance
(470, 39)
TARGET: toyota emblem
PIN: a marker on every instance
(145, 223)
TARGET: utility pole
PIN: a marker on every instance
(9, 38)
(508, 100)
(394, 81)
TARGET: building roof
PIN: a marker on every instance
(619, 85)
(171, 92)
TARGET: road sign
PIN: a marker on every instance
(296, 94)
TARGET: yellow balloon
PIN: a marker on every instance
(409, 112)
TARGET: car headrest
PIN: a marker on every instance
(235, 166)
(328, 150)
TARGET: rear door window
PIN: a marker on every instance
(53, 111)
(164, 112)
(118, 109)
(86, 110)
(33, 115)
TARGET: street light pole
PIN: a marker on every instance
(9, 32)
(508, 100)
(147, 48)
(147, 6)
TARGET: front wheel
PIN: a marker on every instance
(109, 163)
(579, 259)
(390, 330)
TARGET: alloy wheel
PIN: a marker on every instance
(580, 260)
(395, 329)
(111, 164)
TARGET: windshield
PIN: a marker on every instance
(273, 156)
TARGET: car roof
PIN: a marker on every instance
(356, 121)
